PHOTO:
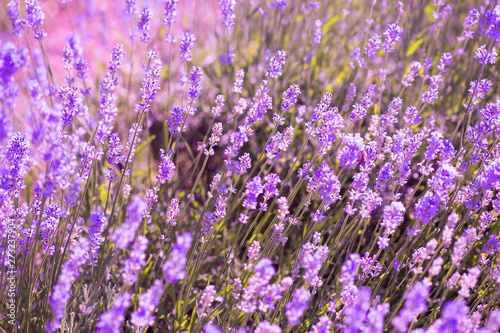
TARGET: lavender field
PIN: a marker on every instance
(249, 166)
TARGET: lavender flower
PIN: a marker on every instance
(415, 67)
(416, 303)
(130, 9)
(207, 226)
(290, 98)
(150, 86)
(15, 18)
(316, 34)
(432, 94)
(328, 131)
(484, 57)
(444, 180)
(136, 261)
(239, 76)
(392, 36)
(170, 12)
(228, 16)
(174, 267)
(353, 145)
(98, 222)
(470, 21)
(148, 302)
(35, 17)
(207, 297)
(445, 60)
(187, 44)
(311, 259)
(166, 168)
(212, 328)
(253, 251)
(297, 306)
(257, 285)
(427, 207)
(279, 142)
(82, 68)
(329, 185)
(175, 121)
(489, 23)
(143, 23)
(372, 46)
(266, 327)
(62, 290)
(393, 216)
(125, 233)
(275, 64)
(112, 320)
(195, 88)
(173, 212)
(323, 325)
(254, 189)
(107, 109)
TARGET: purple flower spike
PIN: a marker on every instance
(297, 306)
(228, 16)
(111, 321)
(174, 267)
(275, 64)
(392, 36)
(187, 43)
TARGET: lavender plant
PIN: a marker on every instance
(250, 166)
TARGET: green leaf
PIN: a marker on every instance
(413, 47)
(148, 141)
(103, 193)
(329, 24)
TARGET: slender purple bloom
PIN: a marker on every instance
(62, 290)
(195, 88)
(187, 43)
(174, 267)
(130, 9)
(353, 145)
(136, 261)
(125, 233)
(98, 222)
(470, 22)
(415, 304)
(427, 207)
(372, 46)
(297, 306)
(445, 60)
(228, 16)
(166, 168)
(107, 108)
(392, 36)
(148, 302)
(170, 12)
(432, 94)
(254, 189)
(150, 86)
(484, 57)
(275, 64)
(143, 25)
(15, 18)
(111, 321)
(35, 17)
(316, 34)
(412, 74)
(239, 76)
(290, 97)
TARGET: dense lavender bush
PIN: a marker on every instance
(249, 166)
